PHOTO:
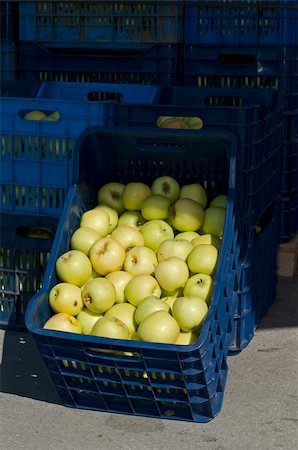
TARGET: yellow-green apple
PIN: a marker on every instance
(119, 279)
(124, 312)
(135, 336)
(132, 219)
(110, 327)
(87, 319)
(148, 306)
(220, 201)
(140, 287)
(194, 123)
(186, 215)
(196, 192)
(74, 267)
(159, 326)
(203, 259)
(169, 301)
(214, 221)
(99, 295)
(97, 219)
(34, 115)
(128, 236)
(134, 194)
(166, 186)
(200, 285)
(186, 338)
(207, 239)
(155, 206)
(140, 260)
(66, 298)
(175, 293)
(175, 123)
(111, 194)
(63, 322)
(174, 247)
(113, 215)
(188, 235)
(83, 238)
(107, 255)
(155, 232)
(189, 312)
(172, 273)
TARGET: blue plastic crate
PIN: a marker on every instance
(155, 65)
(255, 116)
(25, 244)
(255, 290)
(87, 23)
(239, 22)
(8, 60)
(37, 156)
(153, 380)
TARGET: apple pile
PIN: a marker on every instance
(192, 123)
(141, 263)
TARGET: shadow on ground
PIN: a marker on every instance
(22, 370)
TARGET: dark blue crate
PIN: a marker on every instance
(154, 380)
(37, 156)
(155, 65)
(255, 116)
(11, 88)
(238, 22)
(8, 60)
(257, 281)
(87, 23)
(25, 244)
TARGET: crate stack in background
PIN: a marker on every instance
(118, 67)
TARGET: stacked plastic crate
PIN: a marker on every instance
(9, 35)
(253, 45)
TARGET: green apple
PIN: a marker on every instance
(111, 194)
(99, 295)
(186, 215)
(159, 326)
(214, 221)
(124, 312)
(172, 273)
(155, 232)
(140, 287)
(219, 201)
(186, 338)
(132, 219)
(155, 206)
(174, 247)
(203, 259)
(83, 238)
(96, 219)
(196, 192)
(175, 293)
(128, 237)
(107, 255)
(34, 115)
(87, 319)
(110, 327)
(113, 215)
(148, 306)
(119, 279)
(66, 298)
(195, 123)
(140, 260)
(169, 301)
(188, 235)
(74, 267)
(134, 194)
(200, 285)
(63, 322)
(189, 312)
(207, 239)
(166, 186)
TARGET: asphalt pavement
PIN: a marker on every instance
(259, 409)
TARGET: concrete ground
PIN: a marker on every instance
(259, 410)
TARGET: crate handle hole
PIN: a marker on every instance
(236, 59)
(35, 232)
(193, 123)
(102, 352)
(39, 115)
